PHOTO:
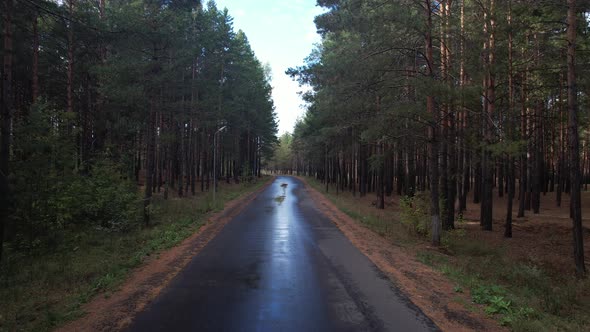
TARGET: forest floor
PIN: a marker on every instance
(97, 280)
(525, 283)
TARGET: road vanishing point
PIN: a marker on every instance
(281, 265)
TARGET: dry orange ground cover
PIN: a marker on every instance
(544, 239)
(541, 242)
(426, 287)
(115, 312)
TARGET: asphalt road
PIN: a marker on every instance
(280, 265)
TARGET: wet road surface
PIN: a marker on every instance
(280, 265)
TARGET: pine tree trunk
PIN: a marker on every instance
(523, 183)
(432, 135)
(6, 120)
(187, 157)
(161, 157)
(452, 179)
(508, 224)
(70, 71)
(180, 157)
(477, 178)
(444, 113)
(401, 179)
(489, 105)
(203, 159)
(574, 140)
(463, 165)
(411, 171)
(35, 66)
(194, 159)
(538, 161)
(501, 176)
(363, 169)
(466, 176)
(381, 185)
(149, 171)
(510, 171)
(450, 142)
(167, 171)
(326, 168)
(561, 162)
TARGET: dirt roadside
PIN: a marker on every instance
(427, 288)
(147, 281)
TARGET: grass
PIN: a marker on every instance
(520, 295)
(43, 292)
(384, 224)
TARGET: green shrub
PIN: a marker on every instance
(53, 192)
(451, 237)
(485, 294)
(414, 213)
(247, 175)
(106, 199)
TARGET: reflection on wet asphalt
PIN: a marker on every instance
(280, 265)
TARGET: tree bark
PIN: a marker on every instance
(432, 134)
(150, 156)
(523, 183)
(35, 65)
(70, 71)
(572, 101)
(6, 120)
(489, 106)
(510, 169)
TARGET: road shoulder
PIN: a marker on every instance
(428, 289)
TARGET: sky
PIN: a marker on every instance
(282, 34)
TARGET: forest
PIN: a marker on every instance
(100, 98)
(116, 117)
(465, 100)
(457, 120)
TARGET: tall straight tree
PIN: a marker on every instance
(574, 143)
(6, 120)
(489, 88)
(511, 128)
(433, 156)
(70, 72)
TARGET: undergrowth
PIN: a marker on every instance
(519, 295)
(43, 291)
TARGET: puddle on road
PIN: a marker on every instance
(250, 277)
(281, 198)
(251, 280)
